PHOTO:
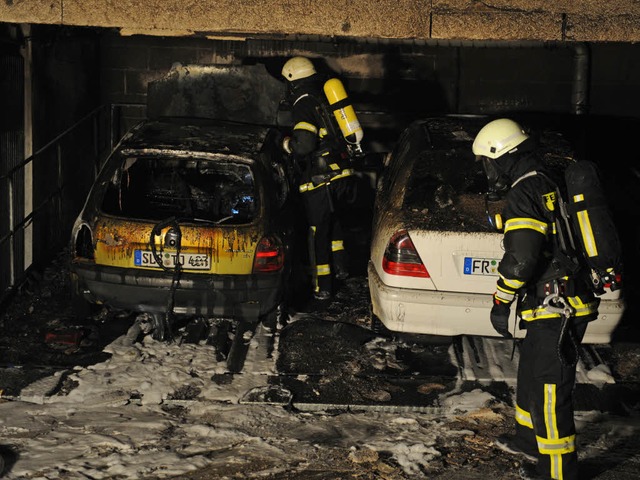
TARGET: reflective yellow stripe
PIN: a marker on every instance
(523, 417)
(323, 270)
(582, 308)
(504, 296)
(334, 166)
(550, 410)
(540, 313)
(530, 223)
(551, 426)
(345, 173)
(306, 187)
(587, 233)
(337, 245)
(512, 283)
(306, 126)
(556, 446)
(323, 132)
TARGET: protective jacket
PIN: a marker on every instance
(530, 270)
(530, 264)
(320, 152)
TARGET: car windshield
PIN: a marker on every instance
(193, 189)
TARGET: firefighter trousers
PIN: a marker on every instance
(545, 424)
(327, 234)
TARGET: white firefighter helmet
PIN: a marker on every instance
(298, 67)
(498, 137)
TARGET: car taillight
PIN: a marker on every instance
(269, 255)
(401, 257)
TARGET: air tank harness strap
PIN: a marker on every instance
(567, 348)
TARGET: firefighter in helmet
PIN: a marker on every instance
(553, 302)
(323, 172)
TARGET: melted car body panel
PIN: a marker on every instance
(230, 251)
(199, 193)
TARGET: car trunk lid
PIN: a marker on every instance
(465, 262)
(211, 250)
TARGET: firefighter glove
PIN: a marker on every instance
(500, 318)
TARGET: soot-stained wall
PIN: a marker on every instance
(402, 78)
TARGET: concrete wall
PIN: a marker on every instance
(564, 20)
(403, 79)
(406, 79)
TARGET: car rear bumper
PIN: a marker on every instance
(230, 296)
(449, 313)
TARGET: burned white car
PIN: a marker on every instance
(434, 253)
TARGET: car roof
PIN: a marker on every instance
(196, 135)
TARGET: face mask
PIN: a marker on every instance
(498, 182)
(293, 88)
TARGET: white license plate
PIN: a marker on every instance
(188, 261)
(480, 266)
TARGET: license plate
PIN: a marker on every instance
(188, 261)
(480, 266)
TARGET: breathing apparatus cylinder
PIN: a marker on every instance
(343, 111)
(593, 222)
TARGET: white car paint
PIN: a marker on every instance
(449, 302)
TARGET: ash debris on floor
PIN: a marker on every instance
(40, 327)
(359, 368)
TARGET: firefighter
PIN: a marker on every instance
(553, 302)
(323, 172)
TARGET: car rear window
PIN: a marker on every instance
(160, 188)
(439, 175)
(445, 190)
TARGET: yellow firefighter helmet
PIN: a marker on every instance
(298, 67)
(498, 137)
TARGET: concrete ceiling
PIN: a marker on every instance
(421, 20)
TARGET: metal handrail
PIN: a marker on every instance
(18, 271)
(54, 141)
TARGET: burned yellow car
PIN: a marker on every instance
(187, 218)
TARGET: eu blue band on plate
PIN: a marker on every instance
(480, 266)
